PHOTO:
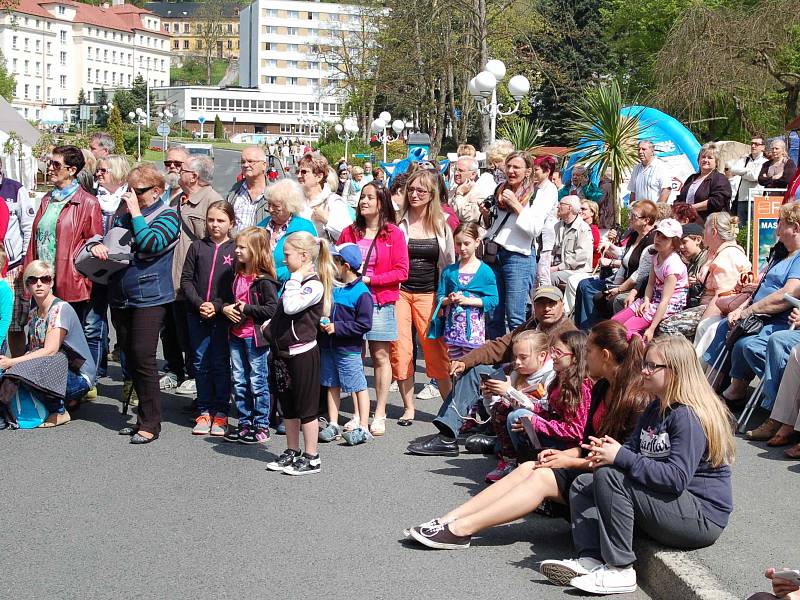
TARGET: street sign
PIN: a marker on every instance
(364, 156)
(163, 129)
(201, 119)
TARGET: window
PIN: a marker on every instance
(49, 94)
(62, 58)
(14, 65)
(97, 53)
(25, 40)
(292, 64)
(176, 45)
(185, 44)
(269, 79)
(310, 15)
(162, 64)
(27, 91)
(272, 63)
(62, 10)
(49, 70)
(105, 56)
(113, 78)
(230, 44)
(292, 14)
(271, 12)
(185, 28)
(38, 69)
(230, 27)
(105, 76)
(89, 75)
(129, 79)
(166, 27)
(38, 92)
(291, 80)
(114, 56)
(97, 75)
(38, 45)
(62, 82)
(291, 30)
(49, 45)
(62, 36)
(27, 64)
(291, 47)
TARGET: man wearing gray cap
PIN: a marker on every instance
(548, 317)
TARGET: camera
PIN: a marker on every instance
(490, 203)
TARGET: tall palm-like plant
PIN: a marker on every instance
(605, 136)
(522, 133)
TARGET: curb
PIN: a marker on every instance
(668, 574)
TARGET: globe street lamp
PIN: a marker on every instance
(380, 126)
(483, 88)
(140, 118)
(346, 131)
(164, 119)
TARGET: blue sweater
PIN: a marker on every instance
(351, 317)
(668, 455)
(295, 224)
(482, 285)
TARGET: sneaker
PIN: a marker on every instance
(330, 433)
(219, 425)
(247, 435)
(431, 523)
(187, 388)
(90, 395)
(561, 572)
(169, 381)
(284, 461)
(440, 537)
(607, 580)
(429, 392)
(232, 435)
(202, 425)
(393, 387)
(304, 465)
(357, 436)
(129, 391)
(262, 435)
(502, 469)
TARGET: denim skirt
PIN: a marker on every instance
(384, 324)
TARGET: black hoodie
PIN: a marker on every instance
(207, 274)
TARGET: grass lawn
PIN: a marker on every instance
(193, 72)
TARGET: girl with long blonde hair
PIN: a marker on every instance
(305, 304)
(677, 462)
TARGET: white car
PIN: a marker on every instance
(200, 149)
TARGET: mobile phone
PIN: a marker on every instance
(790, 575)
(485, 377)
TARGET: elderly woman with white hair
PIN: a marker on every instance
(327, 210)
(777, 172)
(285, 202)
(708, 190)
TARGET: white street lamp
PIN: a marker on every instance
(140, 118)
(483, 89)
(381, 126)
(346, 131)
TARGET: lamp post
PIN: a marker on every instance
(307, 121)
(164, 119)
(346, 131)
(140, 118)
(380, 126)
(483, 88)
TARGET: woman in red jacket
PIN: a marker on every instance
(72, 216)
(384, 267)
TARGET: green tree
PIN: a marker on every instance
(138, 94)
(81, 97)
(219, 132)
(101, 115)
(116, 129)
(123, 99)
(8, 83)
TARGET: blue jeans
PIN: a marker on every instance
(250, 388)
(521, 441)
(77, 386)
(465, 393)
(778, 349)
(96, 328)
(584, 313)
(749, 354)
(514, 277)
(212, 362)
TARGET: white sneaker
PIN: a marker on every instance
(607, 580)
(429, 392)
(187, 388)
(561, 572)
(168, 381)
(393, 387)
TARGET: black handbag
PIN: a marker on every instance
(695, 293)
(492, 248)
(750, 325)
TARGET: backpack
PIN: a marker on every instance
(119, 241)
(27, 408)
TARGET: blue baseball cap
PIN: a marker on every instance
(349, 253)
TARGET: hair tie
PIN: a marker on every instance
(319, 241)
(632, 334)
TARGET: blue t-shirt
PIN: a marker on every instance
(776, 278)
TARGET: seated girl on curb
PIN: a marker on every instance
(617, 402)
(559, 421)
(524, 388)
(671, 479)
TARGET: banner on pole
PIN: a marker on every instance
(766, 210)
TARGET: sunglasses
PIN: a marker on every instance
(173, 163)
(55, 165)
(101, 171)
(45, 279)
(142, 191)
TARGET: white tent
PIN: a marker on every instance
(21, 165)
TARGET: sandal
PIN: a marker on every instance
(763, 432)
(405, 422)
(351, 425)
(378, 426)
(783, 439)
(56, 419)
(793, 452)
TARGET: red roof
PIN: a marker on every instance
(122, 18)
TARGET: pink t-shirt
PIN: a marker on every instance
(241, 290)
(364, 245)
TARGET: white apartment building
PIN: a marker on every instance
(55, 48)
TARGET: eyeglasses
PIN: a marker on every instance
(187, 170)
(45, 279)
(101, 170)
(55, 165)
(585, 208)
(635, 216)
(305, 171)
(173, 164)
(650, 367)
(142, 191)
(558, 353)
(756, 143)
(418, 191)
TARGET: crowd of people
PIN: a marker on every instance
(585, 358)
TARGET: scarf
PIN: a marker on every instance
(58, 195)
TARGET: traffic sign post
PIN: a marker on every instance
(201, 119)
(164, 130)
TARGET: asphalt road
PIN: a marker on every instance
(226, 168)
(86, 515)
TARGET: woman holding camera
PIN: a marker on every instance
(518, 211)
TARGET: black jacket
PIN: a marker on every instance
(261, 306)
(715, 188)
(206, 261)
(781, 182)
(300, 328)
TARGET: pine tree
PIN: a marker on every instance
(81, 97)
(219, 132)
(115, 130)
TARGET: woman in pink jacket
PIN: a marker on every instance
(384, 267)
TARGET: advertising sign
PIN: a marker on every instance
(766, 210)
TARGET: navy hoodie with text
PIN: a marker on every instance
(668, 454)
(351, 316)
